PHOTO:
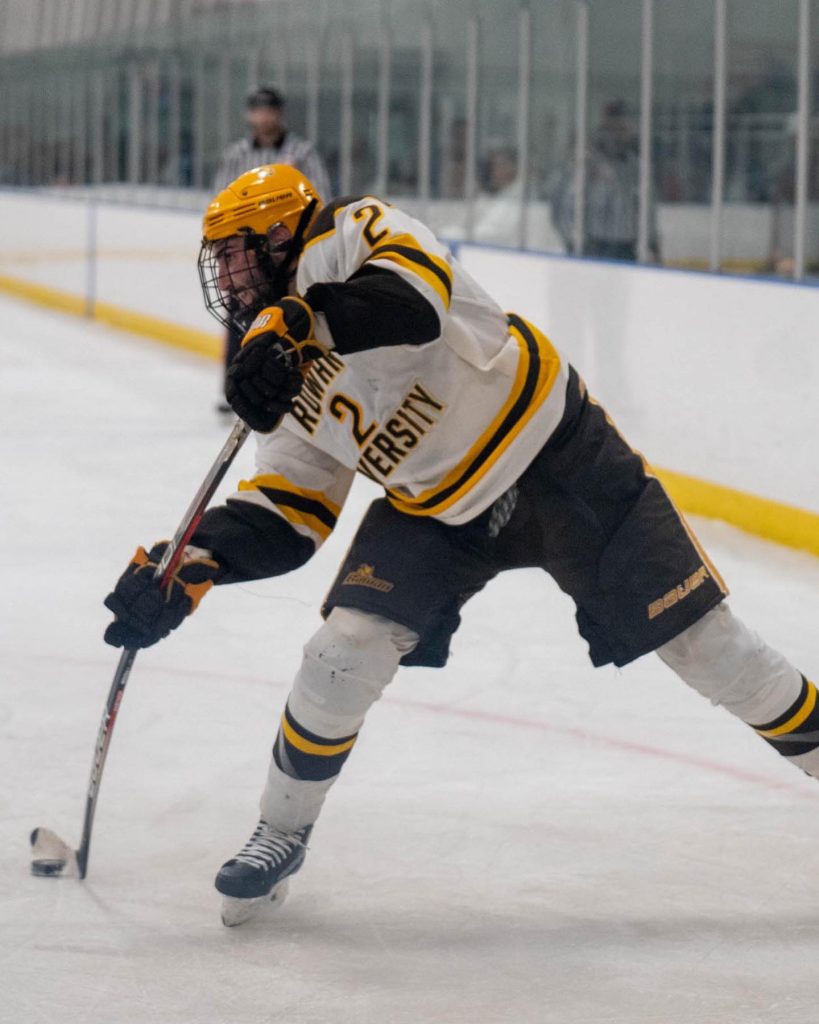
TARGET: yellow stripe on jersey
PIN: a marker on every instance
(319, 238)
(275, 480)
(308, 747)
(298, 518)
(404, 250)
(298, 505)
(537, 371)
(324, 234)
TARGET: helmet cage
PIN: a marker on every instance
(265, 275)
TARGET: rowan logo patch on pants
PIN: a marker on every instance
(364, 576)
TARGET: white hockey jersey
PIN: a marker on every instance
(445, 426)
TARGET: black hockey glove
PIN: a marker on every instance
(146, 612)
(269, 369)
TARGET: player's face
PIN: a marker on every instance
(238, 273)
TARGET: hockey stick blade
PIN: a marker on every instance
(50, 856)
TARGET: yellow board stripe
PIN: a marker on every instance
(797, 719)
(203, 344)
(306, 747)
(211, 346)
(52, 297)
(773, 520)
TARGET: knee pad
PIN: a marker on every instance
(346, 666)
(732, 666)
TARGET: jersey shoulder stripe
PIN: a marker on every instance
(325, 222)
(405, 250)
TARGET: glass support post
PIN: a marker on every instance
(646, 70)
(134, 124)
(312, 68)
(524, 105)
(802, 140)
(718, 154)
(470, 155)
(581, 124)
(199, 86)
(346, 120)
(425, 117)
(174, 148)
(383, 124)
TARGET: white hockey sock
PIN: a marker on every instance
(346, 666)
(732, 666)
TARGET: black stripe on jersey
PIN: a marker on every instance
(372, 308)
(508, 423)
(302, 504)
(417, 256)
(326, 219)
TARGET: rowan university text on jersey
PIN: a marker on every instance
(431, 389)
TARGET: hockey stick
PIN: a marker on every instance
(50, 855)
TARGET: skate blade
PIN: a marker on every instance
(236, 911)
(50, 856)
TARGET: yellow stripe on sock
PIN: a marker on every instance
(306, 747)
(796, 720)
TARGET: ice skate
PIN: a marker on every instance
(259, 874)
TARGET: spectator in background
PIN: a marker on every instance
(500, 170)
(497, 210)
(612, 193)
(269, 142)
(782, 191)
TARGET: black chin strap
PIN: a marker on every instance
(278, 276)
(296, 243)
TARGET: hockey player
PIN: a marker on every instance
(367, 348)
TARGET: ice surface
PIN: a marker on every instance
(517, 838)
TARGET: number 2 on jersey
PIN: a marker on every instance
(373, 214)
(340, 405)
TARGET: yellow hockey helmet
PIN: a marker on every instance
(266, 211)
(258, 199)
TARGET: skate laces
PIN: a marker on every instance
(269, 846)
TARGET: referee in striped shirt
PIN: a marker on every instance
(268, 142)
(612, 193)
